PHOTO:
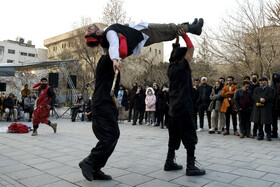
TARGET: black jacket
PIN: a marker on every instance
(140, 100)
(262, 114)
(204, 100)
(8, 103)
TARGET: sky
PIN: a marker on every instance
(39, 20)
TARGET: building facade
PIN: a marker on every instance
(14, 52)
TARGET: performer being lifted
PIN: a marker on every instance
(45, 102)
(181, 124)
(124, 40)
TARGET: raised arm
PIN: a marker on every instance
(189, 45)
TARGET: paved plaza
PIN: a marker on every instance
(52, 159)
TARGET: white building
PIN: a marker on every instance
(20, 52)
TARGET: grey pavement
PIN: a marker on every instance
(52, 159)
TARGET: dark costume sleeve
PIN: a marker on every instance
(51, 94)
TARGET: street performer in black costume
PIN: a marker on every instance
(124, 40)
(181, 125)
(104, 122)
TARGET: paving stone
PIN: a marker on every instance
(167, 175)
(73, 177)
(192, 181)
(221, 168)
(97, 183)
(60, 184)
(61, 170)
(39, 180)
(269, 169)
(248, 173)
(218, 184)
(133, 179)
(222, 177)
(245, 181)
(272, 177)
(157, 182)
(27, 173)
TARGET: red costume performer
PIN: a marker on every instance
(45, 101)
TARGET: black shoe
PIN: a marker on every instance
(99, 175)
(86, 170)
(259, 138)
(219, 132)
(254, 133)
(268, 138)
(192, 170)
(172, 166)
(141, 123)
(156, 125)
(129, 121)
(29, 120)
(196, 28)
(211, 132)
(133, 123)
(274, 136)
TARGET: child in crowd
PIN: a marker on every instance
(150, 102)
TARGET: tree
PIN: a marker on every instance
(245, 40)
(114, 13)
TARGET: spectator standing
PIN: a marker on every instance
(242, 100)
(254, 84)
(157, 91)
(122, 99)
(276, 103)
(163, 106)
(150, 102)
(228, 105)
(203, 101)
(262, 108)
(139, 107)
(131, 99)
(24, 93)
(215, 108)
(195, 97)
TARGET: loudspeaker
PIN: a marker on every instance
(2, 87)
(53, 80)
(74, 80)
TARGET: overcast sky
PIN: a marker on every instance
(39, 20)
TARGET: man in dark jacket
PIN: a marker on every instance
(255, 84)
(262, 108)
(163, 105)
(242, 100)
(9, 107)
(276, 103)
(139, 106)
(131, 98)
(203, 101)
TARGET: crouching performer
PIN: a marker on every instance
(181, 124)
(45, 101)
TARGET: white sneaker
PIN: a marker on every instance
(199, 129)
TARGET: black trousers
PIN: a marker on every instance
(267, 128)
(75, 113)
(234, 119)
(201, 110)
(244, 122)
(106, 129)
(131, 107)
(140, 113)
(29, 110)
(275, 114)
(182, 129)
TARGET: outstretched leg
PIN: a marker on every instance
(168, 32)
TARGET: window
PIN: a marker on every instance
(11, 51)
(159, 51)
(10, 61)
(31, 54)
(63, 45)
(156, 51)
(54, 48)
(150, 49)
(1, 50)
(23, 54)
